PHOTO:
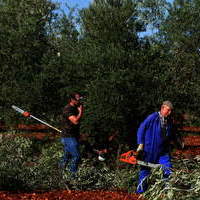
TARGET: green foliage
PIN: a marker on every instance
(45, 55)
(24, 168)
(104, 100)
(23, 43)
(14, 154)
(183, 183)
(153, 12)
(101, 176)
(112, 22)
(45, 168)
(180, 38)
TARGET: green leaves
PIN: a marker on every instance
(182, 184)
(111, 21)
(45, 55)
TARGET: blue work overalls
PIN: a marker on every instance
(150, 134)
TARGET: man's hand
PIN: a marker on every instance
(75, 119)
(80, 109)
(140, 147)
(140, 152)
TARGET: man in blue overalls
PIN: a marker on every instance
(153, 137)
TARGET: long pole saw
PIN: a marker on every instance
(27, 114)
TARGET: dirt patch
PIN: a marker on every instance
(70, 195)
(191, 149)
(187, 153)
(192, 140)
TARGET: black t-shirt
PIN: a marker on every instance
(68, 128)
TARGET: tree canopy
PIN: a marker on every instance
(47, 53)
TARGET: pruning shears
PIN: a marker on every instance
(130, 157)
(27, 114)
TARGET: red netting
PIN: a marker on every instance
(191, 149)
(70, 195)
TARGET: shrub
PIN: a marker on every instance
(183, 184)
(26, 165)
(14, 154)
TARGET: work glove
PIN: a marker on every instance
(140, 152)
(101, 157)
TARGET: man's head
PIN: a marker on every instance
(75, 98)
(166, 108)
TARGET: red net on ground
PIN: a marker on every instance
(191, 149)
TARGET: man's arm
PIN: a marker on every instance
(75, 119)
(141, 135)
(140, 141)
(141, 138)
(143, 128)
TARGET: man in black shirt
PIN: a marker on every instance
(72, 115)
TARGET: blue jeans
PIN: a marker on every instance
(145, 172)
(71, 153)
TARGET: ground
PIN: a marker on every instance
(192, 148)
(69, 195)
